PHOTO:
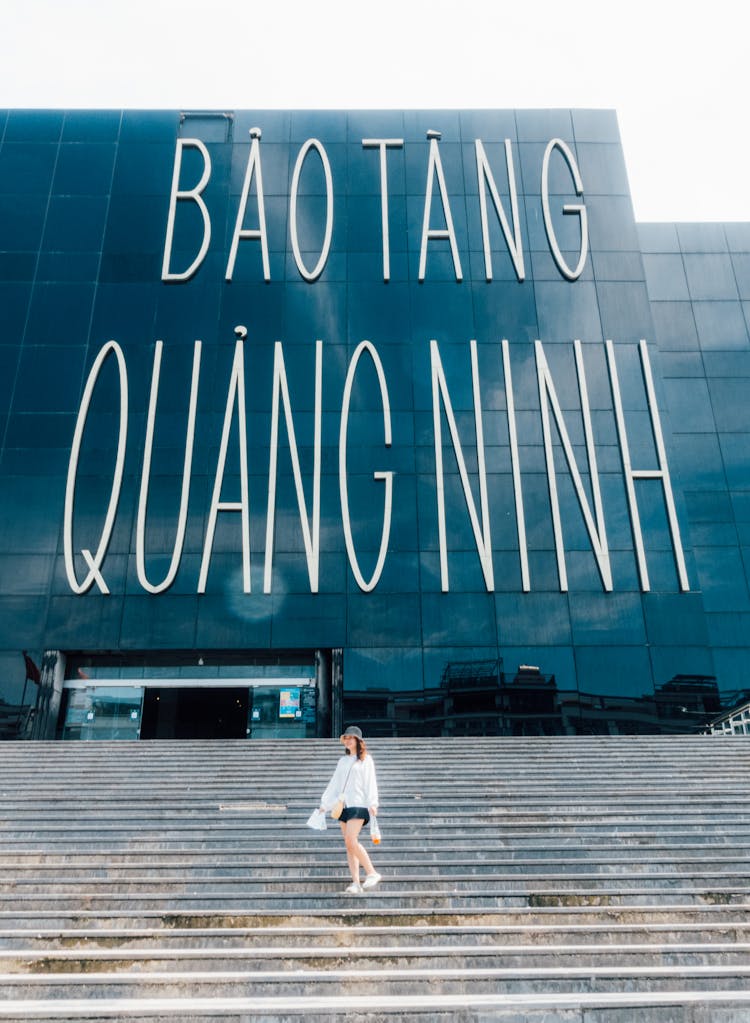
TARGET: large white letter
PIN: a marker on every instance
(382, 145)
(140, 554)
(386, 477)
(574, 208)
(253, 166)
(311, 275)
(95, 561)
(597, 532)
(195, 195)
(484, 176)
(311, 537)
(446, 232)
(481, 534)
(631, 474)
(236, 393)
(516, 467)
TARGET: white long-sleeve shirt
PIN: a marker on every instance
(354, 780)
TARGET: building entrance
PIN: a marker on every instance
(183, 697)
(154, 709)
(194, 713)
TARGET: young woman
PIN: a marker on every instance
(354, 781)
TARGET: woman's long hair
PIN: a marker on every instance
(361, 748)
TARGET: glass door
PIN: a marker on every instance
(103, 712)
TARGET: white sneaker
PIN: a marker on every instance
(355, 888)
(371, 880)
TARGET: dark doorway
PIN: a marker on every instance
(195, 713)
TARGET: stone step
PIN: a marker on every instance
(116, 767)
(469, 1007)
(466, 742)
(270, 880)
(519, 837)
(455, 798)
(408, 899)
(358, 913)
(210, 761)
(289, 824)
(542, 797)
(494, 825)
(455, 803)
(702, 1007)
(107, 863)
(213, 762)
(118, 760)
(409, 817)
(309, 776)
(575, 863)
(605, 773)
(392, 957)
(536, 935)
(206, 846)
(509, 836)
(236, 845)
(573, 853)
(100, 779)
(370, 982)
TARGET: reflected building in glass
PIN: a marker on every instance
(395, 418)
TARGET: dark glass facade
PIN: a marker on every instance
(522, 507)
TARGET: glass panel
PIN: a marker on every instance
(103, 712)
(282, 712)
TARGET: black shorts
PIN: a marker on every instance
(350, 813)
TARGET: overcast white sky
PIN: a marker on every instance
(676, 73)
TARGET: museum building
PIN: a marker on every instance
(378, 416)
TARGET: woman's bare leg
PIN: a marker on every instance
(356, 854)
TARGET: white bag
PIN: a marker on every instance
(374, 831)
(317, 820)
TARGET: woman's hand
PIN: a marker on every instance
(373, 811)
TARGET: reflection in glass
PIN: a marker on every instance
(479, 698)
(103, 712)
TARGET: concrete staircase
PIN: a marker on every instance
(584, 880)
